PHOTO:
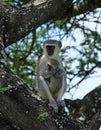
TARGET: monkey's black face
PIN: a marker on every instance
(50, 50)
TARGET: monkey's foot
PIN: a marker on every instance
(61, 103)
(54, 106)
(61, 106)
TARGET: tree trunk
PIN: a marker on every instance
(17, 22)
(21, 109)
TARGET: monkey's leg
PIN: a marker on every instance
(61, 92)
(45, 92)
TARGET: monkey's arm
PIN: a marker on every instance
(49, 74)
(63, 88)
(59, 73)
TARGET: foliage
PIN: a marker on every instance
(4, 89)
(80, 57)
(42, 117)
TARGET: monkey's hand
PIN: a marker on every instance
(54, 105)
(59, 73)
(49, 74)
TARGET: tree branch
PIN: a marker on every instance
(88, 109)
(17, 22)
(20, 108)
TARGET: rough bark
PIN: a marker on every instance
(17, 22)
(87, 110)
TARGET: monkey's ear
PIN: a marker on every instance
(60, 44)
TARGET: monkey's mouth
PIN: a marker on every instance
(50, 50)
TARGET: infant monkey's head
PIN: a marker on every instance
(52, 64)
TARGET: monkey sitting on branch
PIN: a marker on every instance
(51, 78)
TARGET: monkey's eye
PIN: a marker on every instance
(50, 47)
(50, 50)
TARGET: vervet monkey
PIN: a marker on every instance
(44, 79)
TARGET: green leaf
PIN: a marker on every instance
(4, 89)
(42, 117)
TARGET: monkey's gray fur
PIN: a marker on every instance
(51, 77)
